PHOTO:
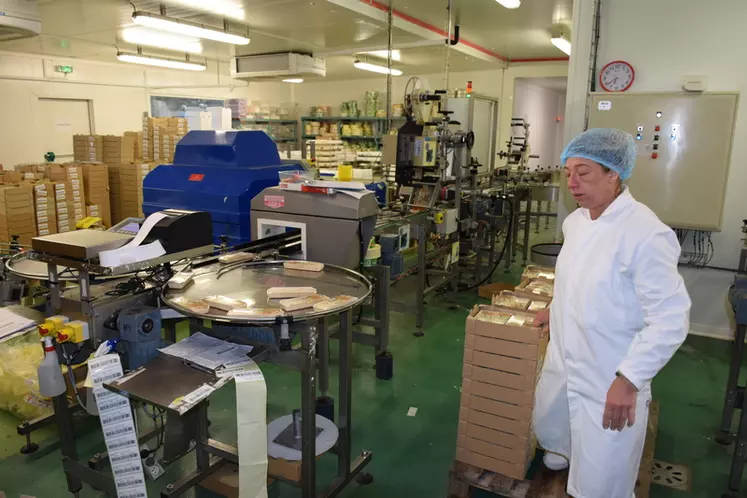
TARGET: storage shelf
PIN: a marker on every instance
(341, 118)
(267, 121)
(359, 137)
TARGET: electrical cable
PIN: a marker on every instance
(509, 227)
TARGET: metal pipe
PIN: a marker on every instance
(448, 47)
(389, 14)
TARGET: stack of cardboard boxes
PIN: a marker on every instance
(88, 147)
(137, 138)
(119, 150)
(147, 142)
(503, 356)
(17, 213)
(45, 207)
(70, 196)
(160, 136)
(96, 180)
(126, 186)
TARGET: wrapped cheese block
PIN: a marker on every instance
(224, 303)
(235, 257)
(304, 265)
(493, 316)
(511, 301)
(199, 307)
(288, 292)
(300, 303)
(255, 312)
(180, 280)
(333, 303)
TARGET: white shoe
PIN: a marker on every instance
(554, 461)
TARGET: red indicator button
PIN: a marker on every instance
(196, 177)
(657, 128)
(655, 155)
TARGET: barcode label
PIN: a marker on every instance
(127, 469)
(133, 494)
(119, 431)
(109, 359)
(132, 481)
(129, 455)
(115, 445)
(250, 375)
(111, 405)
(101, 379)
(117, 417)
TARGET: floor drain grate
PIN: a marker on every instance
(671, 475)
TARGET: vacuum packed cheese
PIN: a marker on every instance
(236, 257)
(511, 301)
(304, 265)
(288, 292)
(300, 303)
(255, 312)
(337, 302)
(224, 303)
(199, 307)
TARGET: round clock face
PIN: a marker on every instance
(617, 76)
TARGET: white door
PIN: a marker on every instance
(59, 120)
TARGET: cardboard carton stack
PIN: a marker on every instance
(70, 201)
(30, 172)
(11, 177)
(45, 207)
(119, 149)
(126, 188)
(88, 147)
(503, 355)
(17, 213)
(96, 181)
(137, 138)
(147, 145)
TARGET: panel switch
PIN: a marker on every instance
(656, 138)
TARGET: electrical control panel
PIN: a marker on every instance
(684, 144)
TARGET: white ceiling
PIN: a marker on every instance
(91, 29)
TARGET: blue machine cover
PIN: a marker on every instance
(218, 172)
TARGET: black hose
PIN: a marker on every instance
(500, 257)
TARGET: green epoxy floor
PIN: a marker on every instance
(412, 455)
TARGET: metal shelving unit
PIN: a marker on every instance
(267, 126)
(378, 125)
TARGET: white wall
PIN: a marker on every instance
(539, 107)
(119, 95)
(673, 39)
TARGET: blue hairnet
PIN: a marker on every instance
(609, 147)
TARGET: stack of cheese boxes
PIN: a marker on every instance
(119, 150)
(88, 147)
(45, 206)
(96, 179)
(503, 356)
(126, 185)
(17, 213)
(69, 195)
(160, 136)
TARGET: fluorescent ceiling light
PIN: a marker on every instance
(293, 80)
(187, 28)
(562, 44)
(160, 62)
(150, 38)
(396, 54)
(510, 4)
(233, 9)
(366, 66)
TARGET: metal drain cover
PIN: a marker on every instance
(671, 475)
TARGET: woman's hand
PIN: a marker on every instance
(543, 320)
(620, 407)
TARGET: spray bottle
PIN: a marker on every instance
(51, 382)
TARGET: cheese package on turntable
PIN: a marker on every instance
(224, 303)
(289, 292)
(300, 303)
(334, 303)
(303, 265)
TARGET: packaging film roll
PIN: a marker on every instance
(251, 419)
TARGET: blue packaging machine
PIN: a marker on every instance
(218, 172)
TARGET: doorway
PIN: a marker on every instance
(59, 120)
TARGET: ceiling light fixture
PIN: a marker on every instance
(188, 28)
(367, 66)
(510, 4)
(139, 35)
(293, 80)
(160, 62)
(561, 43)
(396, 54)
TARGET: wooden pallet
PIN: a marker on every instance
(546, 483)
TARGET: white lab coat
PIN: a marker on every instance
(620, 305)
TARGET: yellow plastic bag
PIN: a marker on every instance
(19, 385)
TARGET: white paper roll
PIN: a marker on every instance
(251, 418)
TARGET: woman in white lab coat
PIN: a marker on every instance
(619, 313)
